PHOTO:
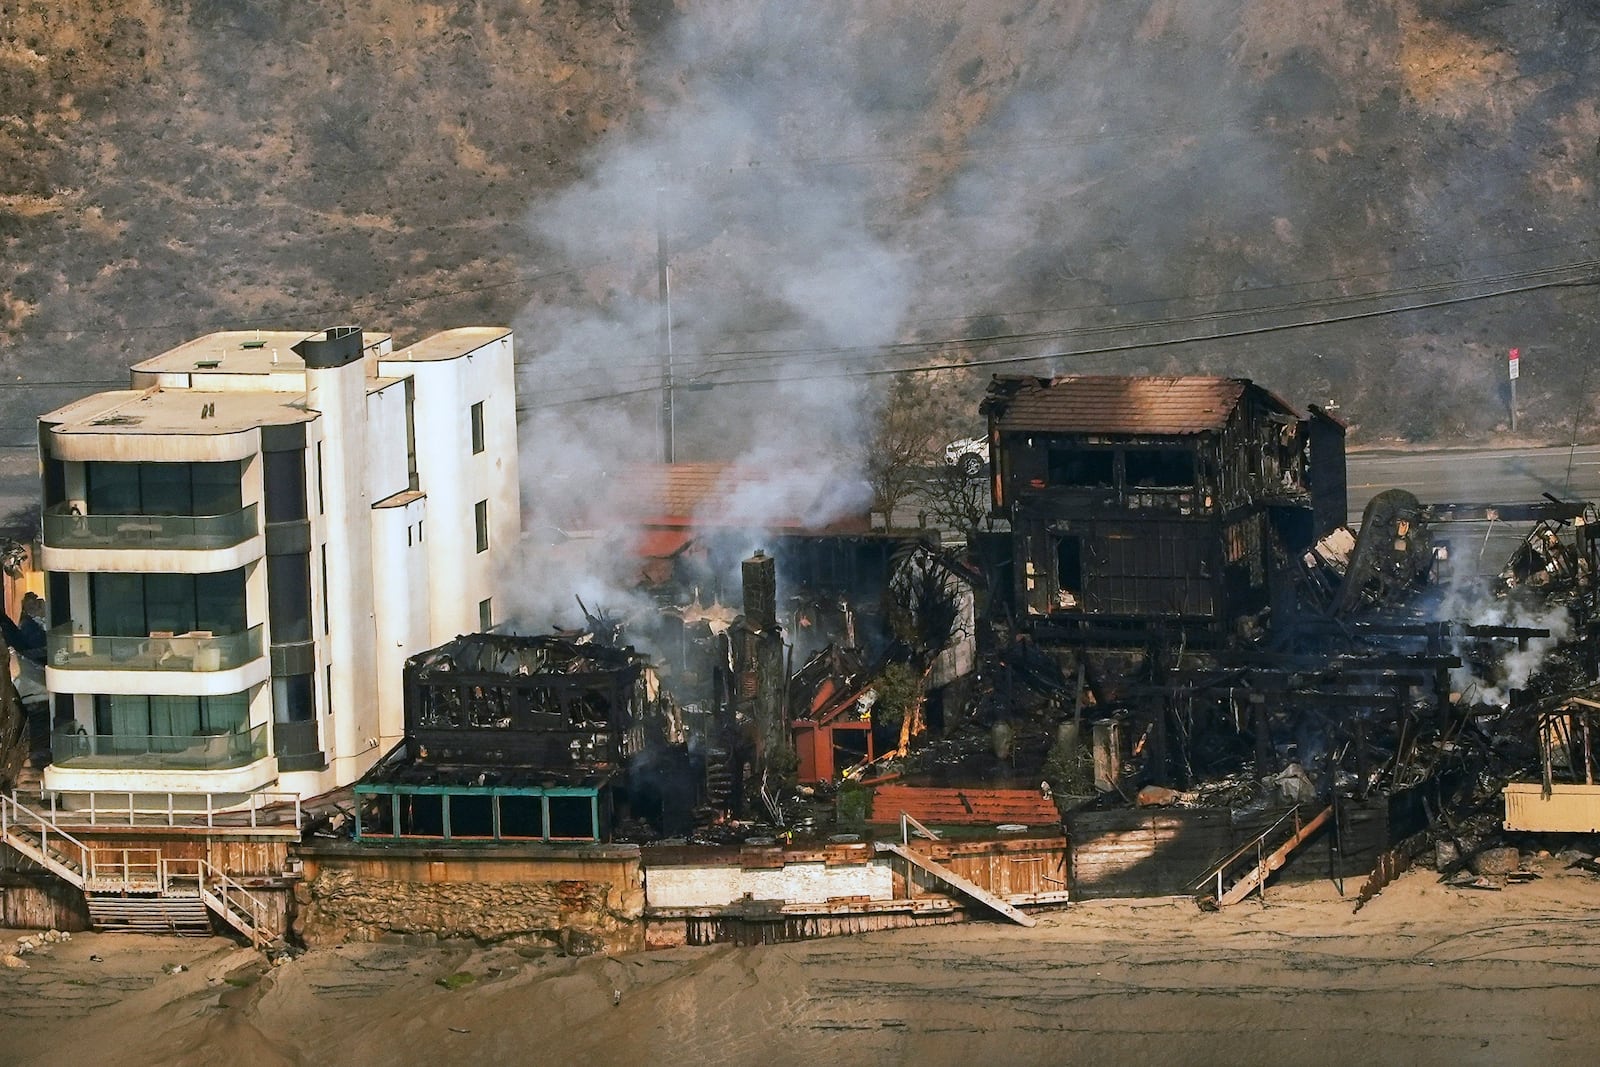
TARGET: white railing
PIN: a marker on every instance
(239, 907)
(137, 809)
(909, 823)
(123, 868)
(15, 816)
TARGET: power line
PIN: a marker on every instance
(717, 361)
(1593, 279)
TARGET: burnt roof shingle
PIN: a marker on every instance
(1115, 405)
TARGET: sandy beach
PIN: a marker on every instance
(1425, 974)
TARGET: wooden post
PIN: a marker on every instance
(1588, 756)
(1158, 762)
(1363, 760)
(1264, 761)
(1544, 749)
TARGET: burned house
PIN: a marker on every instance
(512, 739)
(1140, 502)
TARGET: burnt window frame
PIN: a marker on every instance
(1185, 456)
(1057, 456)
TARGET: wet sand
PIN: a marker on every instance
(1425, 974)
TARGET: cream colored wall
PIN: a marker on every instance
(345, 532)
(384, 599)
(400, 605)
(455, 479)
(387, 470)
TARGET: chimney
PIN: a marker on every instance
(760, 573)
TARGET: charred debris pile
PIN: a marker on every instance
(1175, 613)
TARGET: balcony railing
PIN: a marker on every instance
(297, 747)
(62, 529)
(156, 652)
(154, 752)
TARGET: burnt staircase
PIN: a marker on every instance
(136, 889)
(1247, 868)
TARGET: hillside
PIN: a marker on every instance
(830, 177)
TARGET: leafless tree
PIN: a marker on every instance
(956, 501)
(901, 450)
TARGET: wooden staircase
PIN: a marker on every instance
(1248, 867)
(958, 883)
(30, 782)
(165, 913)
(909, 824)
(136, 889)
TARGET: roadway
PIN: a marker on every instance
(1476, 476)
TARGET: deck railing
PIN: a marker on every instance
(64, 529)
(184, 752)
(188, 652)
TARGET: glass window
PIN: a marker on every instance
(137, 715)
(224, 713)
(480, 518)
(169, 602)
(219, 602)
(164, 488)
(217, 489)
(289, 597)
(477, 427)
(284, 478)
(116, 605)
(113, 488)
(485, 613)
(55, 481)
(133, 605)
(293, 698)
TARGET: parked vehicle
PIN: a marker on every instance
(971, 454)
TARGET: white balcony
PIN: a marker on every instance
(184, 544)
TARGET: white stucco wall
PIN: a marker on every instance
(346, 532)
(799, 883)
(387, 468)
(399, 578)
(400, 604)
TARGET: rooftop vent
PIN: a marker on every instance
(207, 364)
(253, 344)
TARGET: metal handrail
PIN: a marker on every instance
(1253, 845)
(259, 800)
(14, 813)
(228, 893)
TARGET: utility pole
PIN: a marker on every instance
(664, 331)
(1514, 367)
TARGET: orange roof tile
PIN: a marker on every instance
(1116, 405)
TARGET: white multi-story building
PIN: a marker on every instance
(245, 546)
